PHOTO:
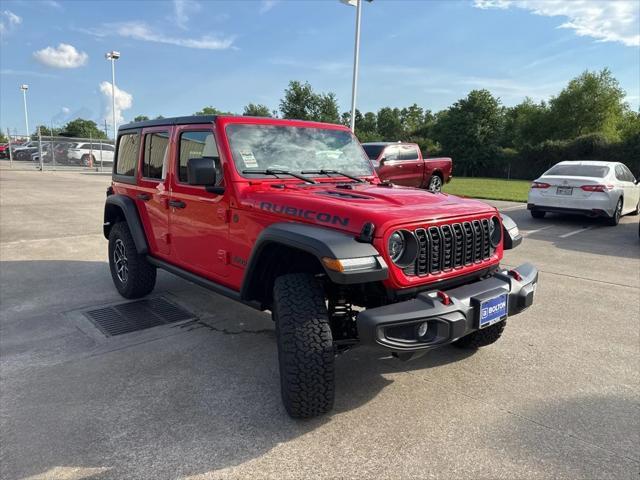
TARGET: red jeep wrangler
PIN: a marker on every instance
(289, 216)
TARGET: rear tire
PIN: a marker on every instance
(538, 213)
(482, 338)
(435, 183)
(615, 219)
(305, 345)
(87, 160)
(132, 274)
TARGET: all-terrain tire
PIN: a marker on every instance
(305, 345)
(140, 276)
(482, 338)
(538, 213)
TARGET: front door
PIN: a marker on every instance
(199, 224)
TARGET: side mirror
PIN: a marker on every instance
(201, 171)
(382, 160)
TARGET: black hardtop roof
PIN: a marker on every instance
(170, 121)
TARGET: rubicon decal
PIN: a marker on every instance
(321, 217)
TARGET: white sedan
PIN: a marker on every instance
(597, 189)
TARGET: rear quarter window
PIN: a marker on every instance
(127, 154)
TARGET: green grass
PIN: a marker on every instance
(489, 188)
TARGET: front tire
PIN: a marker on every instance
(617, 213)
(305, 345)
(132, 274)
(538, 213)
(482, 338)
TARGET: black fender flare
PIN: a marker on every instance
(121, 206)
(510, 233)
(320, 242)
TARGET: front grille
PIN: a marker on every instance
(450, 246)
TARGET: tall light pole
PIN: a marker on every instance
(356, 58)
(24, 89)
(113, 56)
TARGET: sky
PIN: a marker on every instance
(179, 56)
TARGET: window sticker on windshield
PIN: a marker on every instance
(248, 158)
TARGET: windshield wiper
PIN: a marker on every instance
(275, 172)
(334, 172)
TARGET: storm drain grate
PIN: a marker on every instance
(133, 316)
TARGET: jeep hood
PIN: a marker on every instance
(350, 208)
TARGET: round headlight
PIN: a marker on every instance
(495, 232)
(396, 246)
(403, 248)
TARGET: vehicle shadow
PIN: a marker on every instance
(202, 398)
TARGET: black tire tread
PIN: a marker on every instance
(482, 338)
(142, 275)
(305, 345)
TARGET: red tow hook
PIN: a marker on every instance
(444, 298)
(515, 275)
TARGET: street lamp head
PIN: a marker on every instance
(24, 87)
(112, 55)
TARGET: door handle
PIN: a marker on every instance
(177, 204)
(144, 197)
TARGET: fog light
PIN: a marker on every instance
(422, 329)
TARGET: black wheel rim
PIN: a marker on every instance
(120, 261)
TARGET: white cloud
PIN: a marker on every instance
(62, 56)
(124, 101)
(66, 110)
(267, 5)
(605, 20)
(8, 21)
(141, 31)
(52, 4)
(182, 10)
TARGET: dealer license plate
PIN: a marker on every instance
(493, 310)
(564, 191)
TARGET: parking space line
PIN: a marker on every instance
(575, 232)
(529, 232)
(508, 209)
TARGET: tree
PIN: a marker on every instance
(211, 111)
(302, 103)
(299, 101)
(82, 128)
(141, 118)
(412, 119)
(592, 102)
(390, 124)
(256, 110)
(526, 124)
(3, 137)
(470, 130)
(327, 108)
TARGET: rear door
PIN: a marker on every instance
(412, 166)
(153, 188)
(199, 220)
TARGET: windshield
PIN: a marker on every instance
(573, 170)
(373, 151)
(296, 149)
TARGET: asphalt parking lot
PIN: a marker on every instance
(557, 397)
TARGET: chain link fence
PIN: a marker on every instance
(45, 152)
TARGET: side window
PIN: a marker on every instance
(629, 175)
(155, 152)
(391, 153)
(128, 148)
(620, 174)
(197, 144)
(107, 148)
(408, 152)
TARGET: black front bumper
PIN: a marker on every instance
(395, 326)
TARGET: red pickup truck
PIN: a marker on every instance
(402, 164)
